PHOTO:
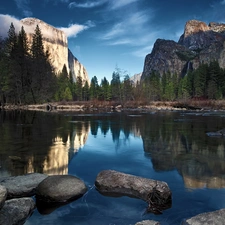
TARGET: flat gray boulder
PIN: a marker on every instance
(114, 182)
(3, 195)
(216, 217)
(60, 188)
(147, 222)
(22, 186)
(16, 211)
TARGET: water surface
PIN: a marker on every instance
(167, 146)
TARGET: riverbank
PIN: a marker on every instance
(121, 106)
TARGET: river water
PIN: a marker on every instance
(167, 146)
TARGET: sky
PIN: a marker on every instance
(109, 34)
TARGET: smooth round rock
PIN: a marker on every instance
(22, 186)
(60, 188)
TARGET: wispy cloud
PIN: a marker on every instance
(112, 4)
(73, 29)
(88, 4)
(115, 4)
(131, 27)
(23, 5)
(5, 21)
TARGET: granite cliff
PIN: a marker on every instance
(200, 43)
(55, 41)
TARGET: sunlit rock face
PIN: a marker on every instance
(76, 68)
(56, 43)
(136, 78)
(199, 43)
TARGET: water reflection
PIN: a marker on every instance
(168, 146)
(46, 143)
(38, 142)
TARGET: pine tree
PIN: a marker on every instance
(94, 88)
(42, 70)
(105, 91)
(116, 85)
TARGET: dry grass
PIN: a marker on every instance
(128, 105)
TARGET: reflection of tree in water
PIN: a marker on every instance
(172, 140)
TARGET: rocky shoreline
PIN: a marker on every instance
(17, 203)
(121, 106)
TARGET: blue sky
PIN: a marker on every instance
(105, 34)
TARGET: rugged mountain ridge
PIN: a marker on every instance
(200, 43)
(55, 41)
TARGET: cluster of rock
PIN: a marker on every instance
(17, 204)
(200, 43)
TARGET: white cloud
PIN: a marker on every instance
(23, 5)
(73, 29)
(5, 22)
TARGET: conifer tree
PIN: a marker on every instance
(94, 88)
(116, 85)
(42, 70)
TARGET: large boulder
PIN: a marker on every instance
(114, 182)
(216, 217)
(60, 188)
(16, 211)
(22, 186)
(3, 195)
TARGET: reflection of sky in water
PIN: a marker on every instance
(124, 153)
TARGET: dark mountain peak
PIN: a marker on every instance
(199, 43)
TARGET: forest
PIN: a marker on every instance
(27, 77)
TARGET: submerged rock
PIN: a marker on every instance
(113, 182)
(16, 211)
(22, 186)
(218, 133)
(60, 188)
(3, 195)
(217, 217)
(148, 222)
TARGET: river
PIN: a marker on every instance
(167, 146)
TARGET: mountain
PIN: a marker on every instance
(135, 78)
(55, 41)
(200, 43)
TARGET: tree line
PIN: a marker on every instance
(28, 77)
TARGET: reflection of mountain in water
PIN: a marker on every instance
(62, 151)
(45, 143)
(38, 142)
(184, 145)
